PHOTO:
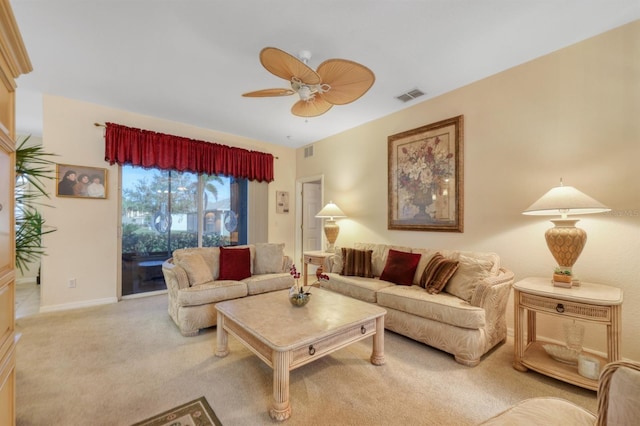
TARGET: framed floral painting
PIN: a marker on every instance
(426, 178)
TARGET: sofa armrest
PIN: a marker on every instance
(174, 276)
(492, 295)
(329, 263)
(287, 263)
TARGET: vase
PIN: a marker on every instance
(574, 335)
(299, 299)
(422, 200)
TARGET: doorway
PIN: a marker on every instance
(309, 228)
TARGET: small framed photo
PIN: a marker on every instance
(282, 202)
(81, 181)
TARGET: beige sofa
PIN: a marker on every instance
(194, 283)
(466, 318)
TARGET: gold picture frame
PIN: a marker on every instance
(71, 182)
(425, 178)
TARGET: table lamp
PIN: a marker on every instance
(331, 228)
(564, 240)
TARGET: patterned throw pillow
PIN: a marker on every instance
(356, 263)
(400, 267)
(437, 274)
(235, 264)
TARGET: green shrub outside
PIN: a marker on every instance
(140, 240)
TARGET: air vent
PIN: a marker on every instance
(411, 95)
(308, 151)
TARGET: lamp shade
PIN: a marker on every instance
(330, 211)
(565, 200)
(565, 240)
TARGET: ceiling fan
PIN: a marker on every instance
(336, 82)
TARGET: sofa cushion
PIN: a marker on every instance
(257, 284)
(252, 250)
(360, 288)
(441, 307)
(425, 258)
(211, 256)
(196, 268)
(380, 254)
(356, 262)
(269, 258)
(430, 270)
(471, 271)
(235, 264)
(437, 273)
(212, 292)
(400, 267)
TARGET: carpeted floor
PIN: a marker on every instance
(119, 364)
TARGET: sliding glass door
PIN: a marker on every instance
(166, 210)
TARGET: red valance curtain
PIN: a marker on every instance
(127, 145)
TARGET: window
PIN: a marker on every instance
(166, 210)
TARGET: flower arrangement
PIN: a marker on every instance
(296, 288)
(422, 165)
(298, 296)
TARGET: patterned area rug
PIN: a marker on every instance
(195, 413)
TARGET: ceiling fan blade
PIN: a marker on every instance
(313, 108)
(348, 80)
(283, 65)
(269, 92)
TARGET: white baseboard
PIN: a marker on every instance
(77, 305)
(145, 294)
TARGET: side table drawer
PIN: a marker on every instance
(563, 307)
(314, 260)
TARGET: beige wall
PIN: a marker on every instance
(571, 114)
(85, 247)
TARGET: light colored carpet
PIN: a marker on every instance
(121, 363)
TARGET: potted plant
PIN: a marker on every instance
(32, 167)
(561, 275)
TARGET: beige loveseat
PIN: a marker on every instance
(196, 282)
(466, 318)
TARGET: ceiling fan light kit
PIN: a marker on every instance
(336, 81)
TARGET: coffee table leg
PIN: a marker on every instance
(222, 348)
(377, 356)
(281, 408)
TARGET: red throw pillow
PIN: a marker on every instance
(400, 267)
(235, 264)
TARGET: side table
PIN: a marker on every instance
(590, 302)
(314, 258)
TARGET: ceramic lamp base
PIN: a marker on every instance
(331, 230)
(565, 242)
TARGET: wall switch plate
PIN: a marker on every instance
(72, 283)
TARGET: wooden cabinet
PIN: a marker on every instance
(13, 62)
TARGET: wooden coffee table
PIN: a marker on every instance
(286, 337)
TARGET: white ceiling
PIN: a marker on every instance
(190, 60)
